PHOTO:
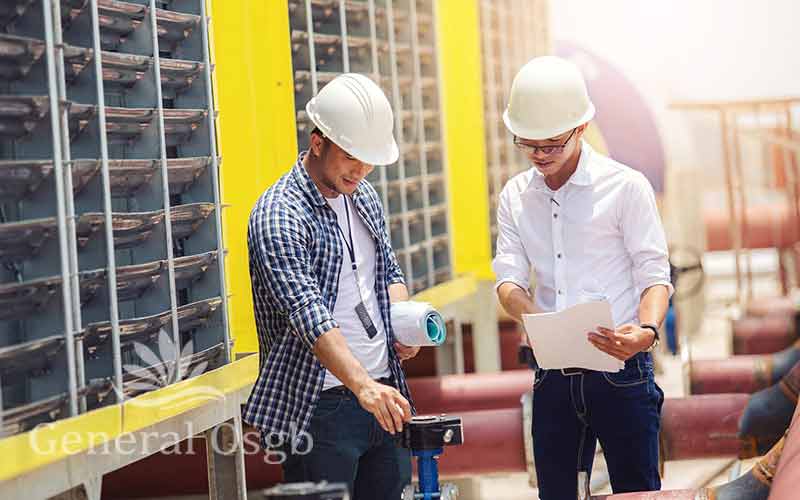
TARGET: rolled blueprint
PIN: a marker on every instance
(417, 324)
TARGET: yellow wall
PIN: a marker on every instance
(458, 27)
(258, 144)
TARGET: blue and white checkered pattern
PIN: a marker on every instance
(295, 258)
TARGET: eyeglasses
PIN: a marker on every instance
(545, 150)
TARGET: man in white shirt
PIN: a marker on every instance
(589, 229)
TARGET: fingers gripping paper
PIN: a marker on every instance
(559, 338)
(417, 324)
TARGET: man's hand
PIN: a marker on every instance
(386, 403)
(624, 342)
(405, 352)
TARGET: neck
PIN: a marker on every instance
(558, 179)
(314, 168)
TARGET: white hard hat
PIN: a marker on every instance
(548, 97)
(353, 112)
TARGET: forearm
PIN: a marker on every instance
(334, 354)
(516, 301)
(653, 305)
(398, 292)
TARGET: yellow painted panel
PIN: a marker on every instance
(449, 292)
(255, 99)
(52, 442)
(458, 27)
(175, 399)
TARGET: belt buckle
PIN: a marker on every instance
(571, 372)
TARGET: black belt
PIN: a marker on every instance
(342, 390)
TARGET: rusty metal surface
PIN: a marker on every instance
(703, 426)
(744, 373)
(470, 392)
(763, 335)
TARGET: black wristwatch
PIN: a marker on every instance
(656, 339)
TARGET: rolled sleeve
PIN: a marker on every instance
(511, 263)
(280, 243)
(644, 237)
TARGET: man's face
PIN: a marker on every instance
(340, 173)
(550, 155)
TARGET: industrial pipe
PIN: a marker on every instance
(470, 392)
(763, 335)
(769, 412)
(754, 485)
(745, 373)
(766, 306)
(695, 427)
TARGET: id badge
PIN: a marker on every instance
(366, 321)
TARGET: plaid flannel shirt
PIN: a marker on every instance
(295, 259)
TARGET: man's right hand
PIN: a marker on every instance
(386, 403)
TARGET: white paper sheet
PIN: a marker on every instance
(559, 338)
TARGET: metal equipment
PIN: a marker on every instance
(426, 437)
(308, 491)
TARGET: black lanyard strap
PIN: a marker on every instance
(350, 246)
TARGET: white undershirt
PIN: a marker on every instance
(370, 352)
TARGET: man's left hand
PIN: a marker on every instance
(624, 342)
(405, 352)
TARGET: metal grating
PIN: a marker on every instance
(394, 43)
(514, 32)
(109, 203)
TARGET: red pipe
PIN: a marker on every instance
(703, 427)
(695, 427)
(765, 306)
(765, 335)
(769, 225)
(477, 391)
(746, 373)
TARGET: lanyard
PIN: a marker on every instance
(350, 246)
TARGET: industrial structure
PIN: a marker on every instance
(135, 137)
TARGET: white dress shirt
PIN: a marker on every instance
(599, 236)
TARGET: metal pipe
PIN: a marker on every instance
(222, 253)
(111, 261)
(745, 374)
(763, 335)
(58, 174)
(457, 393)
(754, 485)
(768, 306)
(162, 146)
(66, 155)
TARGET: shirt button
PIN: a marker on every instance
(555, 216)
(559, 256)
(560, 292)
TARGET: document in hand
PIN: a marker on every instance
(559, 338)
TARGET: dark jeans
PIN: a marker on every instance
(572, 409)
(349, 446)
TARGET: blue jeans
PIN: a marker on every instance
(572, 409)
(349, 446)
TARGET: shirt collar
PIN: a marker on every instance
(308, 186)
(581, 177)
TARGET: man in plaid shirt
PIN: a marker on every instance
(331, 392)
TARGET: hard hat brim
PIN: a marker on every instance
(378, 156)
(523, 132)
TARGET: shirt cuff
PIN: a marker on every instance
(310, 322)
(666, 283)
